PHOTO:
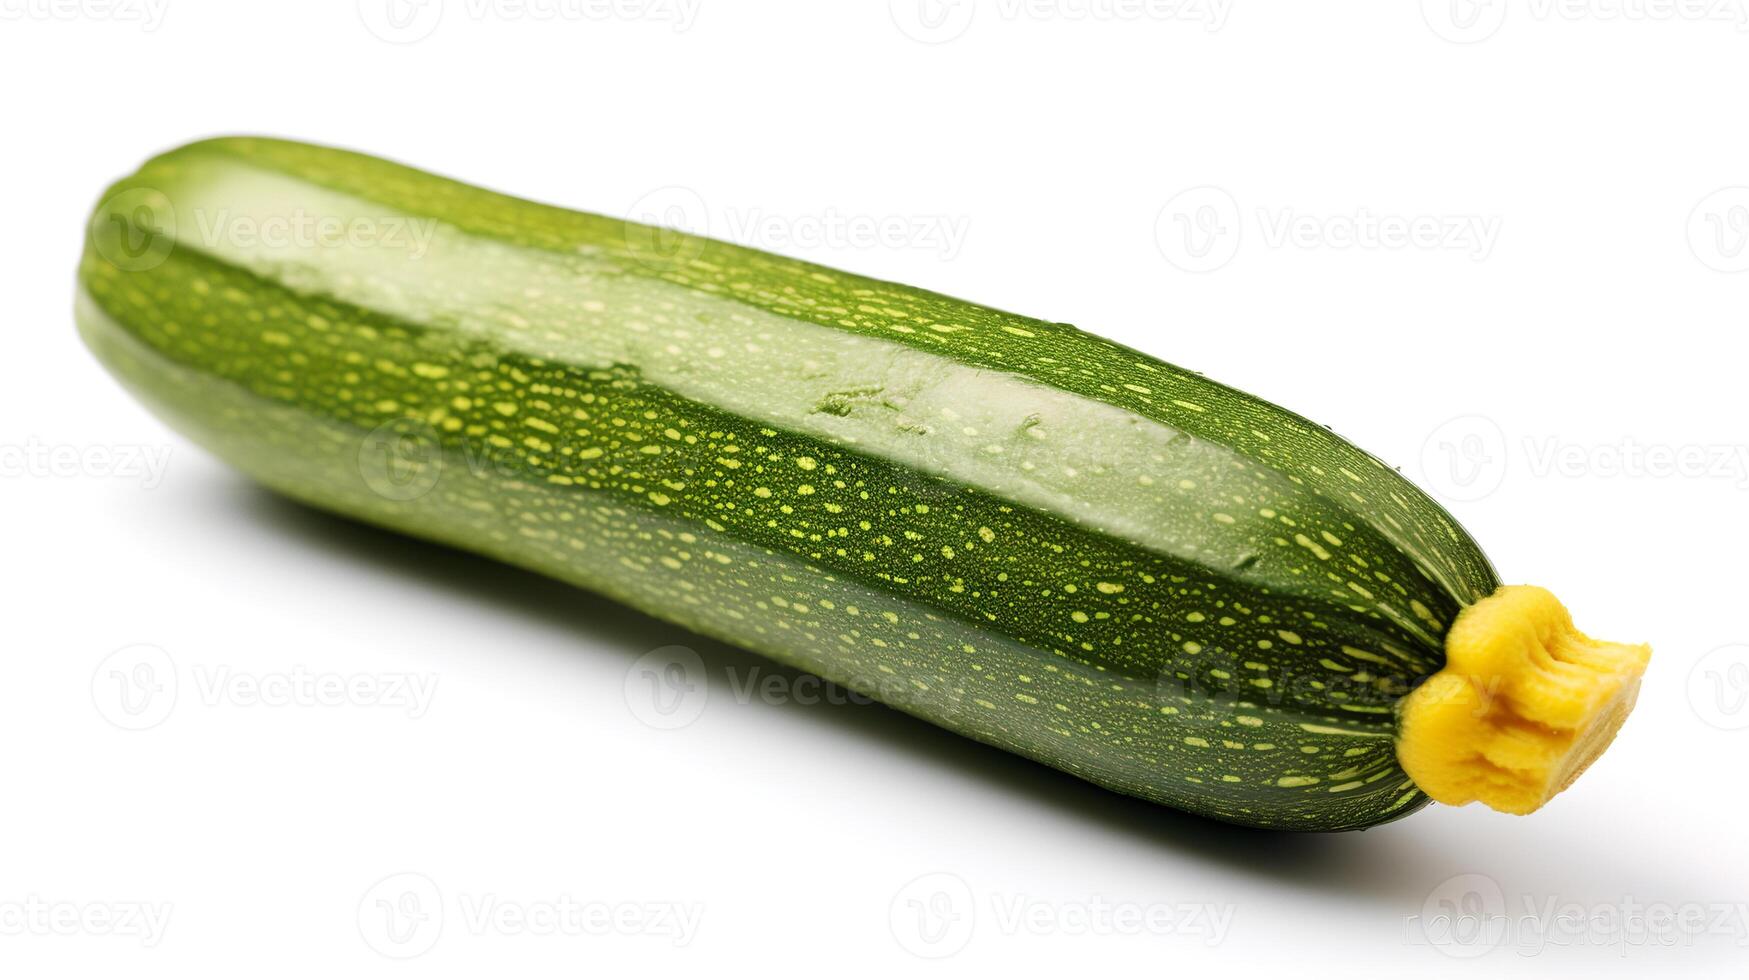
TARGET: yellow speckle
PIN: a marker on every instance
(806, 462)
(1109, 588)
(425, 370)
(1332, 730)
(1366, 655)
(986, 534)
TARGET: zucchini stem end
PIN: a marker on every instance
(1524, 704)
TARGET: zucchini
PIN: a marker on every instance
(1019, 531)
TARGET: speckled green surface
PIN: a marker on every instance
(1019, 531)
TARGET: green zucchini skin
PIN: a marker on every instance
(1011, 528)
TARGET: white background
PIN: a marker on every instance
(1577, 308)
